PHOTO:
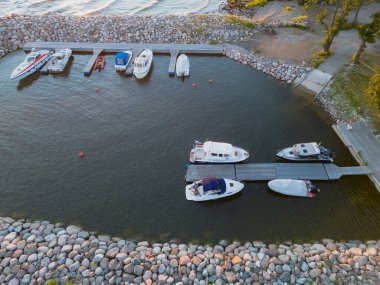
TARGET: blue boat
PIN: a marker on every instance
(122, 60)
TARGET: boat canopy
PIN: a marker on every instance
(216, 147)
(212, 183)
(307, 149)
(121, 58)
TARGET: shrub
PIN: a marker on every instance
(288, 8)
(213, 42)
(319, 57)
(300, 18)
(373, 91)
(255, 3)
(242, 22)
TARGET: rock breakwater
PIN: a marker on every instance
(33, 252)
(15, 30)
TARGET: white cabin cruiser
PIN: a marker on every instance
(143, 63)
(211, 188)
(306, 152)
(59, 60)
(290, 187)
(33, 61)
(216, 152)
(182, 66)
(122, 60)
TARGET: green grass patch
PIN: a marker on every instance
(213, 42)
(256, 3)
(347, 91)
(288, 9)
(299, 19)
(243, 23)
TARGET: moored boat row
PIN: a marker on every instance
(211, 188)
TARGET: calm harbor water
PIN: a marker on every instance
(136, 136)
(96, 7)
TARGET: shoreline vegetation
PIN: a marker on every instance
(39, 252)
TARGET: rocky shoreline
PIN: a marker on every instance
(15, 30)
(33, 252)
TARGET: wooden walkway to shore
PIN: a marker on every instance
(270, 171)
(96, 48)
(363, 145)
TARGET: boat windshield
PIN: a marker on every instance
(31, 58)
(120, 61)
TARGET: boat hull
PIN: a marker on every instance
(182, 66)
(139, 72)
(122, 67)
(242, 156)
(230, 191)
(60, 66)
(290, 187)
(32, 68)
(282, 154)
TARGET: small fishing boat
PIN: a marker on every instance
(33, 61)
(216, 152)
(290, 187)
(143, 63)
(182, 66)
(211, 188)
(306, 152)
(100, 63)
(122, 60)
(59, 60)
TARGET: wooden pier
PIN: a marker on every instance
(363, 145)
(270, 171)
(96, 48)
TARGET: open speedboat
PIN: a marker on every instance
(59, 60)
(306, 152)
(216, 152)
(143, 63)
(122, 60)
(33, 61)
(211, 188)
(290, 187)
(100, 63)
(182, 66)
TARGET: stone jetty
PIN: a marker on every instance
(15, 30)
(34, 252)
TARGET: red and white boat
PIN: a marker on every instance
(33, 61)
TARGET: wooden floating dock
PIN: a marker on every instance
(270, 171)
(129, 70)
(173, 61)
(97, 48)
(90, 65)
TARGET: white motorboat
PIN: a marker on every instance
(143, 63)
(182, 66)
(216, 152)
(33, 61)
(306, 152)
(290, 187)
(211, 188)
(59, 60)
(122, 60)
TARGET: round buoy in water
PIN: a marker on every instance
(81, 154)
(194, 85)
(97, 90)
(210, 81)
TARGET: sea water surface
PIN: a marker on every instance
(136, 137)
(93, 7)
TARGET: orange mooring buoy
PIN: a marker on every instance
(194, 85)
(97, 90)
(210, 81)
(81, 154)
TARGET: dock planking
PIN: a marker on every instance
(205, 49)
(135, 53)
(270, 171)
(90, 65)
(173, 61)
